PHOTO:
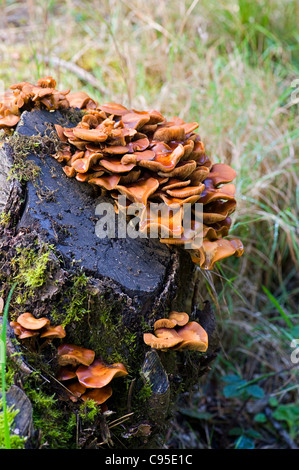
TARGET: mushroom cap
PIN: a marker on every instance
(165, 338)
(140, 190)
(78, 99)
(182, 170)
(28, 321)
(47, 82)
(74, 355)
(217, 250)
(76, 390)
(135, 120)
(99, 395)
(53, 332)
(90, 135)
(181, 318)
(115, 165)
(221, 173)
(114, 108)
(99, 374)
(106, 182)
(186, 191)
(164, 323)
(10, 120)
(65, 373)
(164, 161)
(194, 337)
(22, 332)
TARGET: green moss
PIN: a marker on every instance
(57, 429)
(144, 393)
(23, 146)
(32, 266)
(16, 441)
(88, 411)
(73, 307)
(5, 218)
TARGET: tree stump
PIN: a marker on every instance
(107, 292)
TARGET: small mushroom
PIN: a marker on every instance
(65, 374)
(140, 191)
(22, 332)
(181, 318)
(98, 374)
(135, 120)
(90, 135)
(99, 395)
(164, 323)
(221, 173)
(114, 108)
(195, 338)
(168, 338)
(52, 332)
(77, 390)
(70, 354)
(28, 321)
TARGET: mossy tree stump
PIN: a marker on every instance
(106, 292)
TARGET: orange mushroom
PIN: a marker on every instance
(168, 338)
(28, 321)
(70, 354)
(164, 323)
(98, 374)
(98, 395)
(142, 155)
(194, 337)
(52, 332)
(22, 332)
(181, 318)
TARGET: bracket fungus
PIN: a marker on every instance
(178, 334)
(142, 155)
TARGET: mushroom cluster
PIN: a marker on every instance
(178, 334)
(145, 157)
(141, 155)
(86, 377)
(25, 96)
(27, 326)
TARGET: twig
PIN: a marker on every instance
(121, 419)
(76, 70)
(129, 401)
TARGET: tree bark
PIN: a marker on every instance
(107, 292)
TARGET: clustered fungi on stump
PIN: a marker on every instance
(27, 326)
(176, 333)
(141, 155)
(86, 377)
(145, 157)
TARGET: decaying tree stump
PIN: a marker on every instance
(107, 292)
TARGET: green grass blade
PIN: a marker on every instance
(278, 306)
(3, 368)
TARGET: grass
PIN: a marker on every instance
(6, 426)
(233, 67)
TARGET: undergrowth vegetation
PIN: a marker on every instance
(233, 67)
